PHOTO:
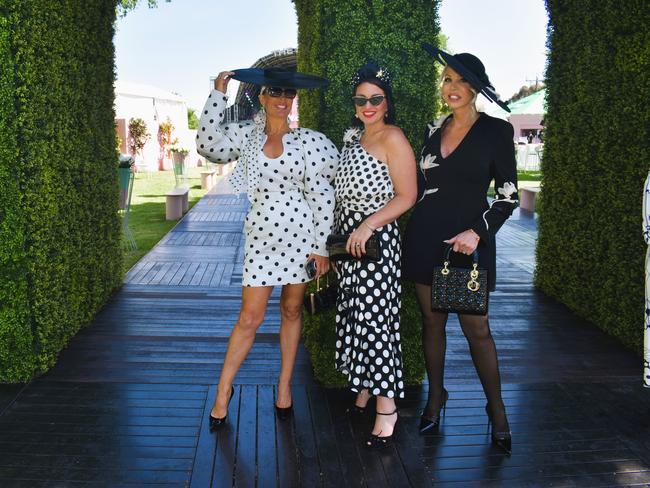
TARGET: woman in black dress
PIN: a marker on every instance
(459, 160)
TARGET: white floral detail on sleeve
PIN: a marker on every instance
(351, 135)
(504, 195)
(432, 128)
(507, 190)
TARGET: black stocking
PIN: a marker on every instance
(434, 343)
(484, 355)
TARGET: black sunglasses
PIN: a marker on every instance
(281, 92)
(374, 100)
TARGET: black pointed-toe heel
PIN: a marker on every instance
(284, 413)
(501, 440)
(431, 424)
(218, 422)
(375, 441)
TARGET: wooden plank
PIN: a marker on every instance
(324, 434)
(223, 473)
(205, 448)
(246, 463)
(267, 458)
(305, 439)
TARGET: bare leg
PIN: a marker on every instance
(251, 315)
(384, 424)
(434, 343)
(362, 398)
(484, 355)
(291, 303)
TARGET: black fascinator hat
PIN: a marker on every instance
(469, 67)
(279, 77)
(372, 72)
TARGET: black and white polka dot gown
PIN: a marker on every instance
(292, 199)
(368, 307)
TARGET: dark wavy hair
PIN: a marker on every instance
(368, 74)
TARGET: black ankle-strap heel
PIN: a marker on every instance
(378, 442)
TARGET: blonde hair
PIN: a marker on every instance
(442, 80)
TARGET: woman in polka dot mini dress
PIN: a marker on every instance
(375, 184)
(286, 174)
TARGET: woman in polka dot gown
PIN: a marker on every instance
(287, 176)
(375, 184)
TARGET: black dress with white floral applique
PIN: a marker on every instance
(368, 307)
(452, 196)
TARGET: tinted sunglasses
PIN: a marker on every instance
(374, 100)
(281, 92)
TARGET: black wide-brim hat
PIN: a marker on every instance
(469, 67)
(279, 77)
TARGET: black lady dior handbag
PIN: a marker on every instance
(460, 290)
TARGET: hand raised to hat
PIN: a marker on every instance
(221, 82)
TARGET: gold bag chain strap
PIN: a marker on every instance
(472, 284)
(312, 295)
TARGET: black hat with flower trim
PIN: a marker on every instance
(279, 77)
(469, 67)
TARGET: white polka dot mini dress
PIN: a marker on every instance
(292, 199)
(368, 307)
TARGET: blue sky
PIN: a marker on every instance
(179, 45)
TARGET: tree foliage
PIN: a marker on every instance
(125, 6)
(334, 39)
(590, 252)
(60, 255)
(526, 90)
(138, 135)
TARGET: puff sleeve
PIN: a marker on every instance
(216, 141)
(504, 172)
(321, 161)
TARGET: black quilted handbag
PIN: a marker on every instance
(460, 290)
(323, 298)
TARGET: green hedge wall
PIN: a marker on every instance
(334, 39)
(60, 255)
(590, 252)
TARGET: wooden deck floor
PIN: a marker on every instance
(127, 403)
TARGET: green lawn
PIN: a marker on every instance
(147, 218)
(529, 175)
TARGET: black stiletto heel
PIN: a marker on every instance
(216, 422)
(377, 442)
(502, 440)
(428, 423)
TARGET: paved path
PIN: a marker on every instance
(127, 403)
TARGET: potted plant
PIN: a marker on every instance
(166, 139)
(138, 136)
(178, 157)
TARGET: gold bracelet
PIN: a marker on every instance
(475, 234)
(370, 226)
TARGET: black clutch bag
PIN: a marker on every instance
(336, 248)
(323, 298)
(460, 290)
